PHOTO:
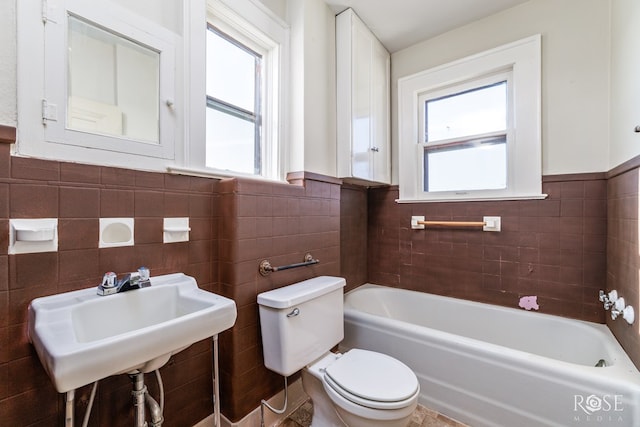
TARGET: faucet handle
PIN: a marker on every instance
(108, 285)
(109, 280)
(144, 274)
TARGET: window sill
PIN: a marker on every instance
(217, 174)
(474, 199)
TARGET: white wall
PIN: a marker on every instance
(167, 13)
(8, 63)
(278, 7)
(576, 58)
(575, 73)
(313, 103)
(625, 81)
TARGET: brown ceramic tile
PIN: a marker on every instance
(4, 273)
(150, 255)
(79, 265)
(200, 206)
(4, 376)
(573, 190)
(201, 228)
(4, 306)
(175, 255)
(119, 260)
(572, 207)
(176, 205)
(79, 202)
(34, 169)
(149, 204)
(148, 230)
(200, 251)
(33, 201)
(116, 203)
(202, 185)
(118, 177)
(77, 233)
(177, 182)
(18, 409)
(4, 201)
(149, 180)
(33, 270)
(5, 160)
(4, 236)
(79, 173)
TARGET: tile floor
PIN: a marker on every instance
(422, 417)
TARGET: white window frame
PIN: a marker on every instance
(254, 24)
(522, 59)
(42, 60)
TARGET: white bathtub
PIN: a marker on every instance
(487, 365)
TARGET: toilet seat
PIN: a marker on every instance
(372, 379)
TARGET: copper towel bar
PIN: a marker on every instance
(489, 223)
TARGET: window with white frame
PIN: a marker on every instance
(245, 50)
(234, 99)
(470, 130)
(107, 93)
(109, 82)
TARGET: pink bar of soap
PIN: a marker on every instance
(529, 303)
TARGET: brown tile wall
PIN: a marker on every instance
(353, 235)
(553, 248)
(78, 195)
(623, 252)
(281, 223)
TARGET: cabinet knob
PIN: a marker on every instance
(376, 149)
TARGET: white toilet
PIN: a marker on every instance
(300, 323)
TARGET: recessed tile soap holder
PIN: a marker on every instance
(116, 232)
(175, 230)
(33, 235)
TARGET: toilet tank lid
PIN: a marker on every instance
(300, 292)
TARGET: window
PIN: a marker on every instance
(234, 96)
(107, 95)
(465, 136)
(458, 139)
(240, 122)
(120, 83)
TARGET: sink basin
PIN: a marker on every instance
(81, 337)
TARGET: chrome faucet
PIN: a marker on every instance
(136, 280)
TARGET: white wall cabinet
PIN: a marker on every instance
(363, 104)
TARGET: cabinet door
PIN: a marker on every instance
(380, 114)
(361, 98)
(363, 79)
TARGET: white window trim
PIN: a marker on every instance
(259, 24)
(523, 57)
(34, 139)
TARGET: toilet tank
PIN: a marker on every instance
(301, 322)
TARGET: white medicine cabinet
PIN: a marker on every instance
(363, 110)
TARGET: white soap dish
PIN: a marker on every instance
(33, 235)
(115, 232)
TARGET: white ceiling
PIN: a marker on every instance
(402, 23)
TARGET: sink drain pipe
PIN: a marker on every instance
(141, 397)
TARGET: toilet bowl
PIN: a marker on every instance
(360, 388)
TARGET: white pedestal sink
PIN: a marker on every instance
(81, 337)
